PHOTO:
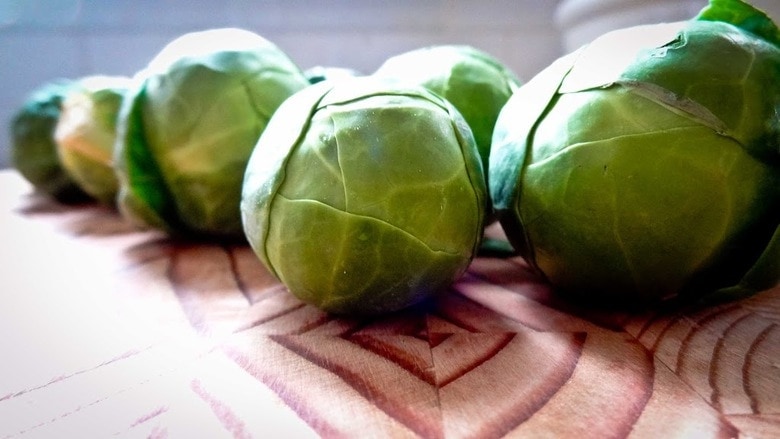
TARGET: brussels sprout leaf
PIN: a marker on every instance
(143, 196)
(262, 181)
(742, 15)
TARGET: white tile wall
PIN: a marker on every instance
(45, 39)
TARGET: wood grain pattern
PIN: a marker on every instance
(108, 330)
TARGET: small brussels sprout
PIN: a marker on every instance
(33, 148)
(188, 125)
(646, 165)
(476, 83)
(86, 132)
(363, 196)
(324, 73)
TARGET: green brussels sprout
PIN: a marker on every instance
(188, 125)
(33, 148)
(86, 132)
(476, 83)
(364, 196)
(644, 166)
(324, 73)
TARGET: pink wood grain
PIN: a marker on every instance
(109, 330)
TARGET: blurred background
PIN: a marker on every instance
(41, 40)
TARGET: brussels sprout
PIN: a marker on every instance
(322, 73)
(364, 196)
(645, 165)
(188, 125)
(33, 148)
(86, 132)
(476, 83)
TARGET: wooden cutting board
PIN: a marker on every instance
(108, 330)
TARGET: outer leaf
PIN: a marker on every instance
(737, 98)
(603, 62)
(265, 171)
(143, 196)
(744, 16)
(512, 143)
